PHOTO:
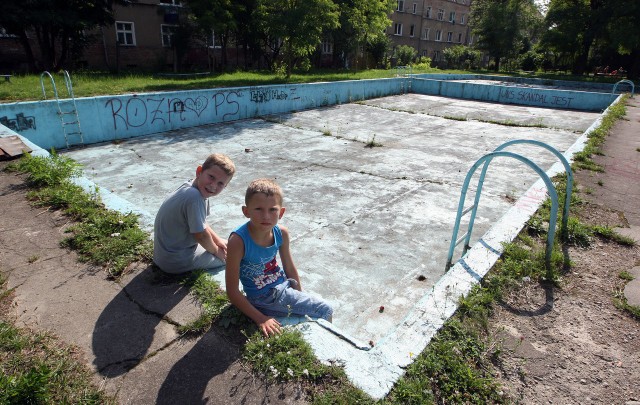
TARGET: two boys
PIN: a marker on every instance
(184, 241)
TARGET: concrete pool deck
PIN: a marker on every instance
(370, 226)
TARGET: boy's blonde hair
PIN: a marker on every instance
(264, 186)
(222, 161)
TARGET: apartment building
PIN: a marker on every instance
(430, 26)
(141, 38)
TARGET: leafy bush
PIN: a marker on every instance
(405, 55)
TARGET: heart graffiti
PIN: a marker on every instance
(198, 105)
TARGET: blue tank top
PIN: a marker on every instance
(259, 269)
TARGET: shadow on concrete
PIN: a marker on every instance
(545, 308)
(131, 324)
(189, 377)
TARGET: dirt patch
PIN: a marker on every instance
(572, 344)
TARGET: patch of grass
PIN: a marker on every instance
(110, 239)
(103, 237)
(215, 305)
(456, 363)
(620, 302)
(455, 118)
(32, 259)
(284, 357)
(596, 138)
(371, 143)
(326, 132)
(608, 233)
(510, 123)
(288, 357)
(600, 183)
(37, 369)
(625, 275)
(46, 171)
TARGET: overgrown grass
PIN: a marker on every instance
(103, 237)
(582, 160)
(85, 84)
(620, 300)
(36, 369)
(215, 306)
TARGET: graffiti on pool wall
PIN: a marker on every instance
(535, 97)
(20, 123)
(265, 95)
(136, 111)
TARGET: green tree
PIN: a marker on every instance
(624, 33)
(218, 16)
(574, 26)
(294, 28)
(60, 27)
(504, 27)
(362, 23)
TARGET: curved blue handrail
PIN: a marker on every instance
(486, 159)
(624, 81)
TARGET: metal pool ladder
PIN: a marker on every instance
(486, 160)
(67, 110)
(624, 81)
(405, 72)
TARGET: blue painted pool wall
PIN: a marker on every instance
(110, 118)
(550, 98)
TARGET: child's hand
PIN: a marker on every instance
(222, 252)
(270, 327)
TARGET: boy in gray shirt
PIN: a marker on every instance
(183, 241)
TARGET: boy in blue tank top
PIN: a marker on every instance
(271, 290)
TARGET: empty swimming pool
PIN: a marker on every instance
(371, 190)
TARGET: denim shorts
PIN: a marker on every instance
(284, 300)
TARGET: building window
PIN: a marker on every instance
(436, 56)
(125, 34)
(452, 17)
(415, 7)
(449, 36)
(397, 29)
(438, 35)
(424, 52)
(427, 12)
(327, 47)
(425, 33)
(461, 18)
(471, 39)
(412, 29)
(460, 38)
(400, 5)
(171, 2)
(440, 14)
(167, 32)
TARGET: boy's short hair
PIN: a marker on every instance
(222, 161)
(264, 186)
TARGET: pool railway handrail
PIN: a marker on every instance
(76, 130)
(624, 81)
(486, 159)
(401, 71)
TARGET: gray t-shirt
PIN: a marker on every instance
(182, 214)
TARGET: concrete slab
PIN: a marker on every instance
(367, 222)
(632, 289)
